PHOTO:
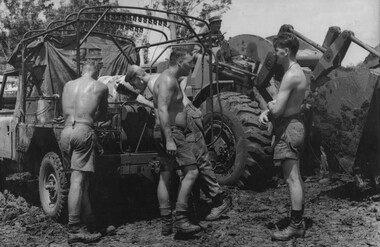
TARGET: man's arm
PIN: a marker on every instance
(166, 91)
(126, 87)
(141, 99)
(122, 87)
(277, 108)
(103, 106)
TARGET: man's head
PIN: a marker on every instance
(215, 24)
(91, 68)
(136, 76)
(182, 58)
(286, 46)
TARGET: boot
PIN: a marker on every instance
(220, 209)
(183, 225)
(292, 230)
(81, 234)
(167, 225)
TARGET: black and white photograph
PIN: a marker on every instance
(173, 123)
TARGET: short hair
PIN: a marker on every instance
(177, 54)
(287, 40)
(91, 67)
(133, 71)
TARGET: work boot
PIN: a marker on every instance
(182, 224)
(167, 225)
(292, 230)
(82, 235)
(219, 210)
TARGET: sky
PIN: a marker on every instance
(312, 18)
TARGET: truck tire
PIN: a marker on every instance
(53, 186)
(242, 150)
(3, 174)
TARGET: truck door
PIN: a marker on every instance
(8, 96)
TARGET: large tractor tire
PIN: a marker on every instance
(53, 186)
(242, 150)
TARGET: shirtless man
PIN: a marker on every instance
(171, 115)
(140, 81)
(289, 129)
(84, 101)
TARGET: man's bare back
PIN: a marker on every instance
(83, 99)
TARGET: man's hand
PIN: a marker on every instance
(171, 148)
(264, 117)
(271, 105)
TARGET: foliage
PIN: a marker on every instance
(202, 9)
(18, 17)
(197, 8)
(74, 6)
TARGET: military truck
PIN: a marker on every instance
(31, 121)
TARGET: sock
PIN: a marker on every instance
(181, 207)
(296, 216)
(74, 220)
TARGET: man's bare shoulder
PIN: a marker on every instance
(101, 85)
(166, 79)
(70, 82)
(294, 77)
(69, 85)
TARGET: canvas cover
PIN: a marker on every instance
(51, 62)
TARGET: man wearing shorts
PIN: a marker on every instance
(140, 81)
(289, 130)
(171, 115)
(84, 101)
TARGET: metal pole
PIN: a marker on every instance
(365, 46)
(94, 26)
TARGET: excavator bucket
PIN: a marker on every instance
(346, 112)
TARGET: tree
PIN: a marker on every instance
(202, 9)
(196, 8)
(18, 17)
(74, 6)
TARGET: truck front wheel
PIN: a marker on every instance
(241, 149)
(53, 186)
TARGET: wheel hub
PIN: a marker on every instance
(222, 146)
(51, 187)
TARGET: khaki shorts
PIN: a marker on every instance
(289, 139)
(184, 155)
(79, 142)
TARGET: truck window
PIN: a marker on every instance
(9, 93)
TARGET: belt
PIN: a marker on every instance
(80, 122)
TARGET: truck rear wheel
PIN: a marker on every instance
(242, 150)
(53, 186)
(3, 174)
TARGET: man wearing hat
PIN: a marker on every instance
(215, 25)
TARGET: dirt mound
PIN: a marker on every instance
(23, 224)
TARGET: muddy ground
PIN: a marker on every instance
(334, 215)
